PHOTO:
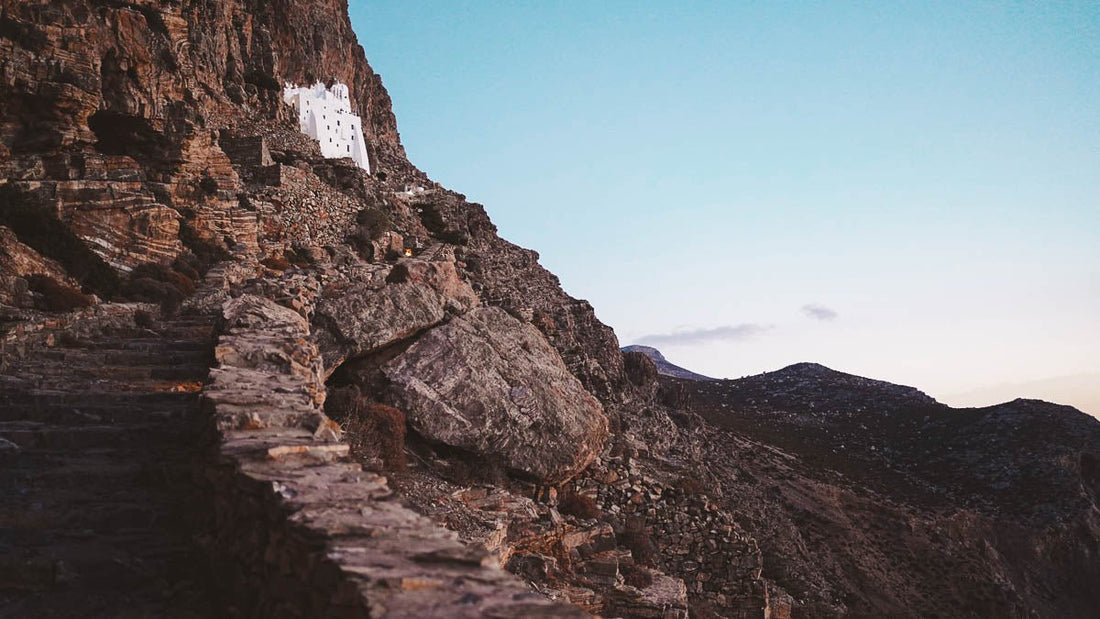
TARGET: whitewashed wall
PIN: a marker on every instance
(325, 115)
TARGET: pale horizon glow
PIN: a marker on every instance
(908, 192)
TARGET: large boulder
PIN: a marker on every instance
(489, 384)
(364, 319)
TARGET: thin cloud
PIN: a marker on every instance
(703, 336)
(819, 312)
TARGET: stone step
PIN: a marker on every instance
(59, 389)
(102, 564)
(34, 436)
(93, 412)
(116, 357)
(124, 373)
(108, 430)
(48, 513)
(164, 396)
(34, 472)
(150, 344)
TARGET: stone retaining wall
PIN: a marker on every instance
(697, 541)
(300, 529)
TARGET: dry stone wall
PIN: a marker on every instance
(301, 530)
(696, 539)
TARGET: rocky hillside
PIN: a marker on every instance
(869, 498)
(146, 156)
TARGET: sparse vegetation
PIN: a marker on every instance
(144, 319)
(164, 283)
(370, 225)
(636, 538)
(167, 273)
(204, 251)
(208, 185)
(298, 256)
(637, 577)
(373, 223)
(276, 263)
(55, 296)
(374, 430)
(574, 503)
(454, 237)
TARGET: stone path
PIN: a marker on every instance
(96, 475)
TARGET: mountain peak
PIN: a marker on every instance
(808, 368)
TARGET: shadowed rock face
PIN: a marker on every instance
(487, 383)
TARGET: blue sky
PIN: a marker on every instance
(906, 191)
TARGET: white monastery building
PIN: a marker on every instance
(324, 114)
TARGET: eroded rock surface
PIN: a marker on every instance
(363, 319)
(441, 276)
(487, 383)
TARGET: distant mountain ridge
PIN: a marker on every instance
(664, 366)
(862, 479)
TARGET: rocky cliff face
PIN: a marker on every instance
(114, 132)
(113, 116)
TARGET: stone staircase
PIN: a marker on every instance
(99, 436)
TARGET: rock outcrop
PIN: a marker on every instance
(489, 384)
(362, 320)
(17, 263)
(356, 318)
